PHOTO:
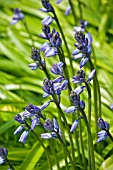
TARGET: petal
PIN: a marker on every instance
(74, 125)
(45, 105)
(70, 109)
(68, 10)
(83, 61)
(19, 129)
(91, 75)
(75, 52)
(50, 52)
(79, 89)
(47, 20)
(44, 46)
(46, 136)
(80, 55)
(24, 136)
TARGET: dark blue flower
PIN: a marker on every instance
(19, 119)
(48, 125)
(103, 125)
(47, 6)
(74, 125)
(3, 155)
(57, 68)
(80, 78)
(83, 45)
(18, 15)
(53, 127)
(48, 87)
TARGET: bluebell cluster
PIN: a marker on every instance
(54, 87)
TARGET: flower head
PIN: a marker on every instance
(103, 124)
(3, 155)
(83, 45)
(102, 135)
(47, 6)
(18, 15)
(39, 63)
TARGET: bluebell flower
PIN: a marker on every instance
(39, 63)
(79, 89)
(57, 68)
(48, 125)
(46, 31)
(70, 109)
(68, 10)
(18, 15)
(50, 52)
(47, 20)
(83, 45)
(19, 129)
(77, 103)
(55, 42)
(111, 106)
(91, 75)
(20, 119)
(24, 136)
(53, 127)
(102, 135)
(102, 124)
(80, 78)
(48, 87)
(74, 125)
(3, 155)
(47, 6)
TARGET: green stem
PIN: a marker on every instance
(90, 140)
(45, 149)
(61, 114)
(80, 10)
(89, 120)
(10, 165)
(54, 154)
(73, 11)
(65, 147)
(30, 36)
(82, 145)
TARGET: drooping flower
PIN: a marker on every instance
(47, 6)
(80, 78)
(53, 127)
(83, 45)
(18, 15)
(102, 135)
(57, 68)
(77, 103)
(55, 42)
(103, 125)
(39, 63)
(3, 155)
